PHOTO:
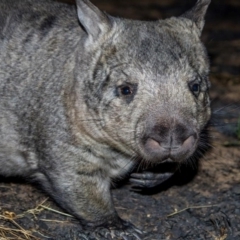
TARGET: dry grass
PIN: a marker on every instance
(17, 232)
(190, 207)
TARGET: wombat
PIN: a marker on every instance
(85, 97)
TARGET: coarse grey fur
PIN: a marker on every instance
(85, 97)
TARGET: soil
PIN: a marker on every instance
(202, 201)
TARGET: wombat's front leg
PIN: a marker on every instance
(86, 195)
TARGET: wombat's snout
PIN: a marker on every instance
(164, 142)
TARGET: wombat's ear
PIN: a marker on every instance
(197, 13)
(95, 22)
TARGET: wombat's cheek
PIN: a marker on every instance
(165, 142)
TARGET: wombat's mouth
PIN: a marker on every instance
(168, 160)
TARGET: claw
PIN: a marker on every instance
(148, 179)
(123, 230)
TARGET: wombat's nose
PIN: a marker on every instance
(154, 145)
(172, 144)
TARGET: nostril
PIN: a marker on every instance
(189, 142)
(152, 144)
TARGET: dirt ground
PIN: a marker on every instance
(201, 201)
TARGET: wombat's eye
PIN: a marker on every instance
(195, 88)
(126, 90)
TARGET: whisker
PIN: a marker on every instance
(226, 107)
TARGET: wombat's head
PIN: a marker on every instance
(146, 86)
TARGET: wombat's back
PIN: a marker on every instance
(37, 38)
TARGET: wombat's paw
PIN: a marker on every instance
(85, 236)
(148, 179)
(123, 231)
